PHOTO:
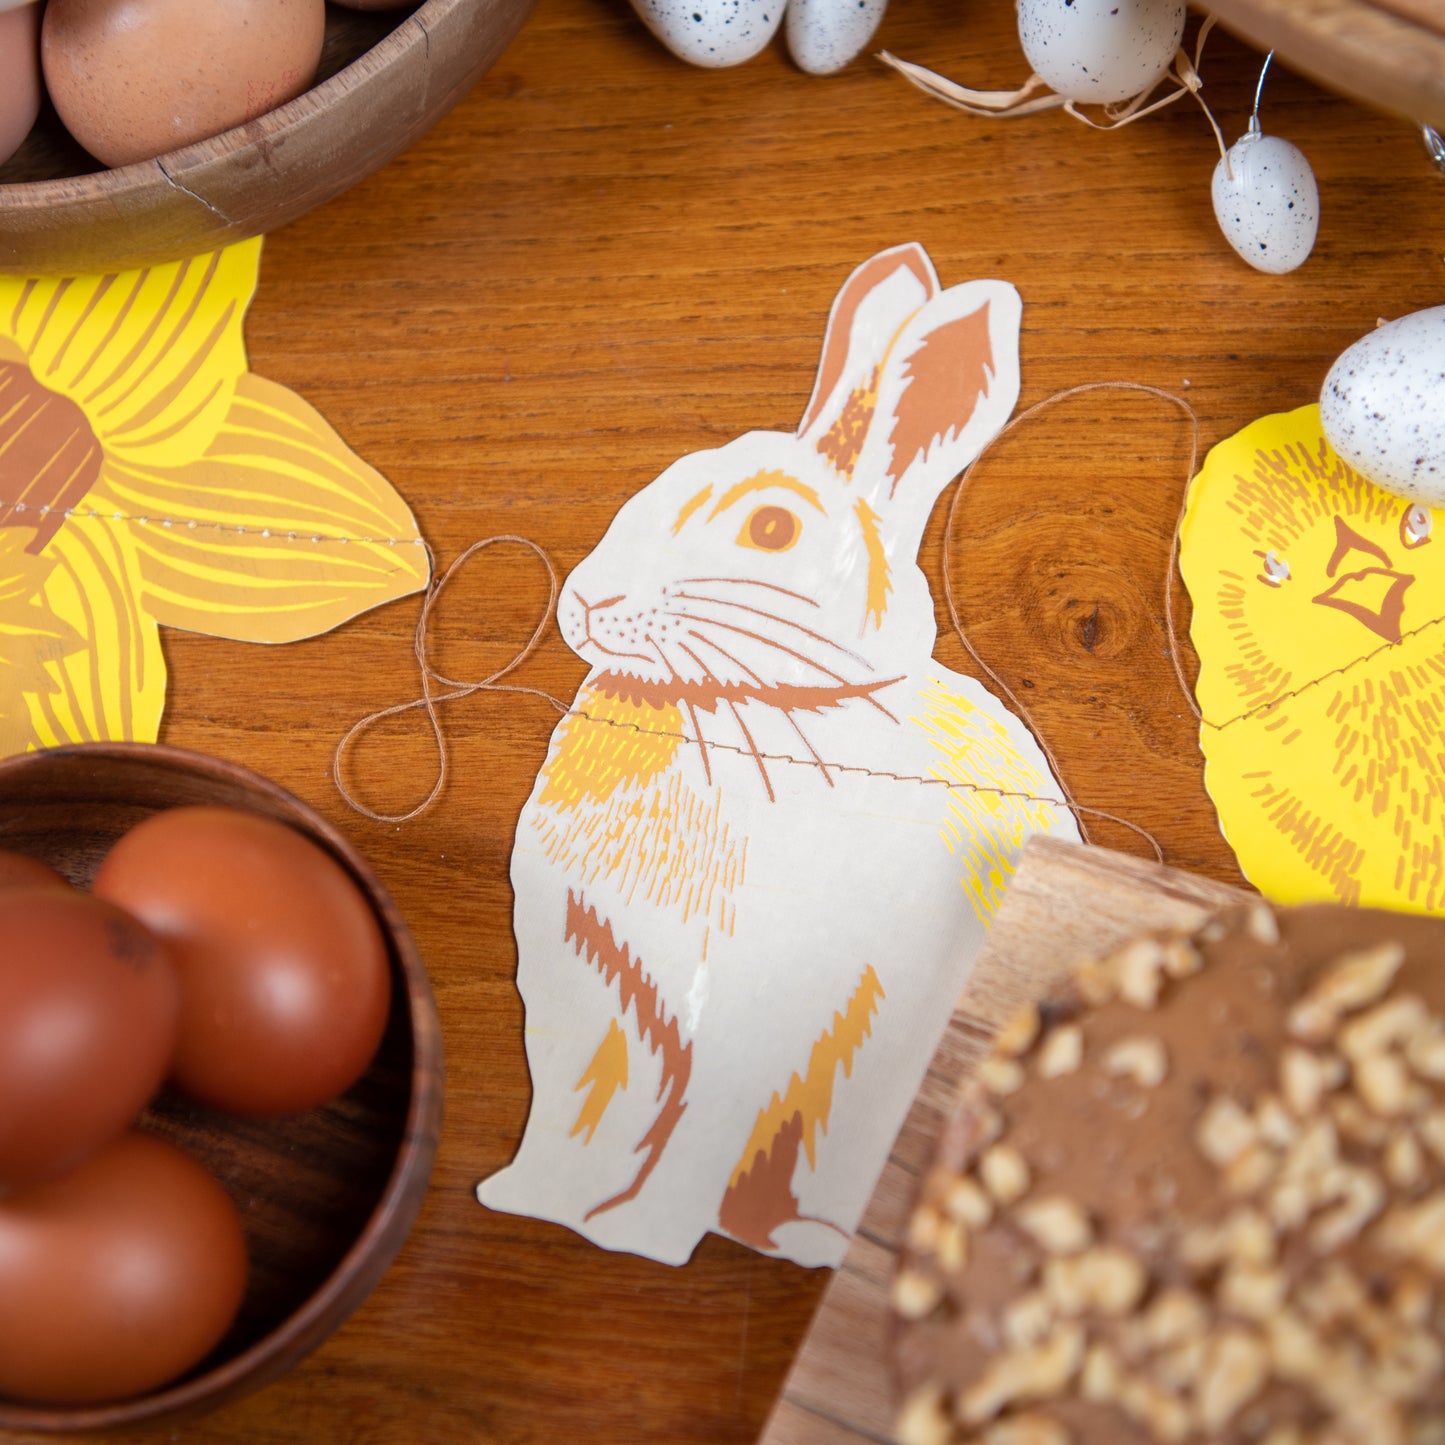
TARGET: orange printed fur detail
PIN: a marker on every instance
(947, 376)
(760, 1196)
(593, 938)
(842, 443)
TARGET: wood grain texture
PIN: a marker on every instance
(1065, 904)
(600, 260)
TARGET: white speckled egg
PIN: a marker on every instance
(1383, 406)
(1100, 51)
(712, 32)
(1266, 202)
(824, 35)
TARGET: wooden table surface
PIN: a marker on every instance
(604, 259)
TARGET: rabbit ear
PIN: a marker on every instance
(873, 303)
(948, 384)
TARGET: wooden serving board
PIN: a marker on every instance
(1065, 903)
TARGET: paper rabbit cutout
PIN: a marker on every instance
(756, 867)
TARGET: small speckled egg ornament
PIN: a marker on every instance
(1100, 51)
(1382, 406)
(712, 32)
(825, 35)
(1267, 202)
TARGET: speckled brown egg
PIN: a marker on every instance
(132, 79)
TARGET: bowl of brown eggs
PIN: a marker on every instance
(220, 1084)
(140, 131)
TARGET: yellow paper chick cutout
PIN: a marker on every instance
(1319, 620)
(148, 479)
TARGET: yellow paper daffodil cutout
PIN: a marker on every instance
(148, 479)
(1319, 620)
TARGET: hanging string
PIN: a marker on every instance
(455, 688)
(429, 700)
(955, 497)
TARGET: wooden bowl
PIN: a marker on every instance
(326, 1197)
(385, 79)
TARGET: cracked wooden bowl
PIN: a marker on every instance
(326, 1197)
(386, 77)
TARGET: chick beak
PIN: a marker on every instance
(1374, 596)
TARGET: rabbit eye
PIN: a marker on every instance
(1276, 569)
(770, 529)
(1416, 525)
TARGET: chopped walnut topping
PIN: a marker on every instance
(1425, 1052)
(966, 1202)
(1182, 959)
(1176, 1316)
(1362, 1197)
(1413, 1299)
(1017, 1036)
(1383, 1081)
(1141, 1058)
(1386, 1026)
(1029, 1319)
(1305, 1078)
(1139, 968)
(1101, 1376)
(1431, 1130)
(1235, 1370)
(1167, 1419)
(951, 1249)
(1261, 923)
(1351, 983)
(1062, 1052)
(1356, 1124)
(1004, 1173)
(1224, 1131)
(1106, 1280)
(1027, 1430)
(1416, 1231)
(1244, 1236)
(1251, 1171)
(923, 1229)
(1252, 1292)
(1024, 1376)
(924, 1419)
(1178, 1369)
(1276, 1125)
(1057, 1225)
(1001, 1076)
(915, 1294)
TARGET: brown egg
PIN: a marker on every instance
(19, 75)
(89, 1007)
(285, 974)
(133, 79)
(20, 870)
(116, 1277)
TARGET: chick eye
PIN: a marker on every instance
(1276, 569)
(1416, 525)
(770, 529)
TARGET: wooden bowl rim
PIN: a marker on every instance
(385, 1231)
(142, 176)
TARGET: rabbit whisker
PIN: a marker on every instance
(766, 641)
(701, 742)
(753, 749)
(723, 653)
(750, 582)
(781, 621)
(812, 751)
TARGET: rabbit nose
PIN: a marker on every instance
(591, 607)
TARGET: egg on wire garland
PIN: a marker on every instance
(1266, 199)
(822, 35)
(1382, 406)
(1100, 51)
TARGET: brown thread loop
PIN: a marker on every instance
(955, 496)
(459, 688)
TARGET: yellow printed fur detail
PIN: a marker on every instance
(988, 822)
(607, 742)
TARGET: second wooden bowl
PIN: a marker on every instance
(383, 83)
(326, 1197)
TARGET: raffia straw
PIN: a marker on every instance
(429, 700)
(1010, 104)
(1078, 809)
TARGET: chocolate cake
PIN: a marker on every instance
(1200, 1196)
